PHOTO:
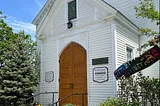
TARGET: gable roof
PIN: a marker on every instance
(121, 14)
(48, 5)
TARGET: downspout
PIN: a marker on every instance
(139, 45)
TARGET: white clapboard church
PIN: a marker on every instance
(81, 43)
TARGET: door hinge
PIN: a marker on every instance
(59, 61)
(59, 79)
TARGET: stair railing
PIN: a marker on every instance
(56, 103)
(40, 94)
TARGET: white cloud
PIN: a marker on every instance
(37, 1)
(18, 25)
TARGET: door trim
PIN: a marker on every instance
(87, 67)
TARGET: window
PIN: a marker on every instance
(72, 11)
(129, 53)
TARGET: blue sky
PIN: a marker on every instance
(20, 14)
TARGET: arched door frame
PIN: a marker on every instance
(66, 45)
(60, 53)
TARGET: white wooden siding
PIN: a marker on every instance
(100, 45)
(58, 24)
(39, 53)
(48, 63)
(153, 70)
(125, 38)
(59, 21)
(85, 12)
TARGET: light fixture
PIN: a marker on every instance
(69, 24)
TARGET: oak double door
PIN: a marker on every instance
(73, 74)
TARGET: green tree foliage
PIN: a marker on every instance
(140, 89)
(19, 70)
(146, 9)
(136, 91)
(69, 104)
(118, 102)
(150, 89)
(113, 102)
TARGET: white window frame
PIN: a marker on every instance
(66, 12)
(132, 52)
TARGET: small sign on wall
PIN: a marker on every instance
(100, 74)
(49, 76)
(99, 61)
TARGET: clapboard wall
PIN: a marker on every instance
(48, 63)
(125, 38)
(99, 46)
(90, 32)
(98, 32)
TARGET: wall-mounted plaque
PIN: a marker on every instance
(98, 61)
(100, 74)
(49, 76)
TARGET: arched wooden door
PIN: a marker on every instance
(73, 74)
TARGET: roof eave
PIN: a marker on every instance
(123, 18)
(35, 20)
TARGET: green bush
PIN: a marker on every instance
(69, 104)
(150, 90)
(140, 89)
(136, 90)
(112, 102)
(118, 102)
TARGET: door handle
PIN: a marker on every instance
(71, 86)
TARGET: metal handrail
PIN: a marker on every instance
(72, 95)
(40, 94)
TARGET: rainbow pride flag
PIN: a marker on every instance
(143, 61)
